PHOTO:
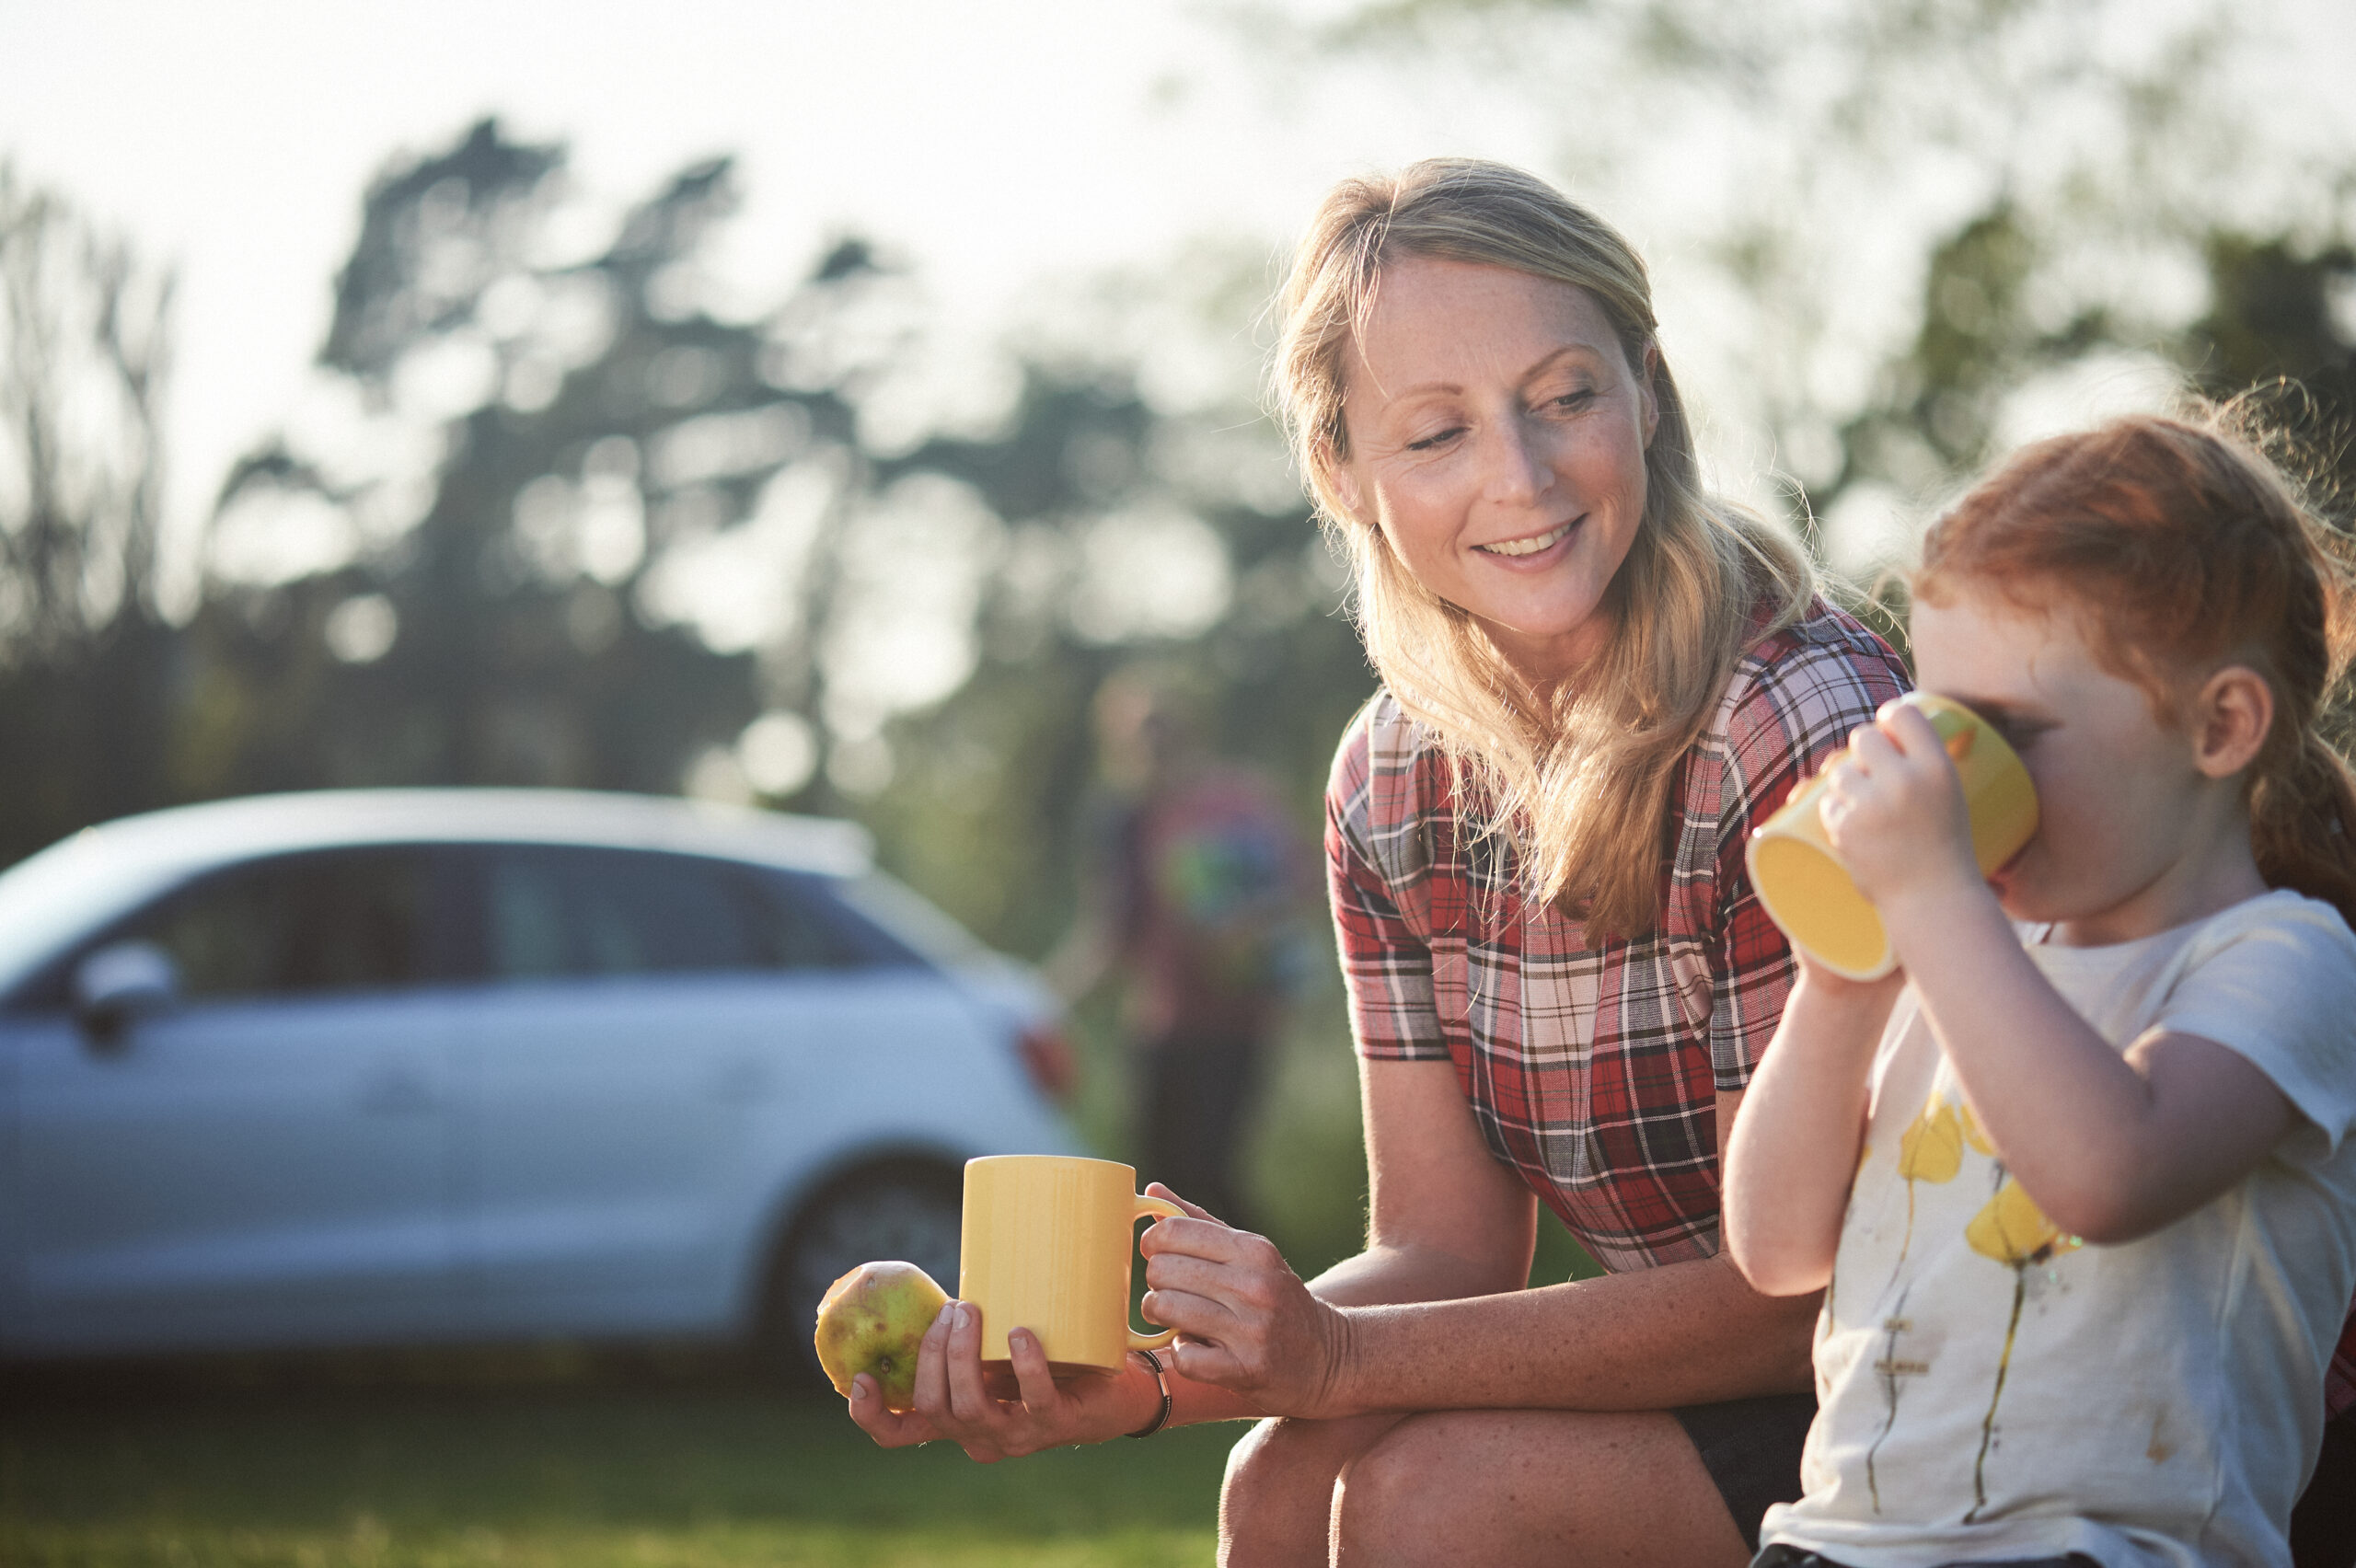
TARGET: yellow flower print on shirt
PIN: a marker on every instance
(2013, 1230)
(1932, 1148)
(2009, 1229)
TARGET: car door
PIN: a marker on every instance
(268, 1160)
(611, 1060)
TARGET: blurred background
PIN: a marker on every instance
(815, 404)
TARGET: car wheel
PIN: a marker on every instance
(907, 1210)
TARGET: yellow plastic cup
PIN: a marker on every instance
(1046, 1246)
(1808, 891)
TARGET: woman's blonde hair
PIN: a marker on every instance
(1577, 776)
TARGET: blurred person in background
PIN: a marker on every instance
(1597, 678)
(1192, 888)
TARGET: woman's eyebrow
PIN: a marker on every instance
(1582, 351)
(1591, 353)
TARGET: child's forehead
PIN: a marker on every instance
(1998, 640)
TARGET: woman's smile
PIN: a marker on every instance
(1498, 430)
(1531, 544)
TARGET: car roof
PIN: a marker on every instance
(47, 896)
(221, 831)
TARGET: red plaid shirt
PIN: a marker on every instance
(1593, 1070)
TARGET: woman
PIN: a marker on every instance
(1597, 678)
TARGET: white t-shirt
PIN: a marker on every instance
(1991, 1388)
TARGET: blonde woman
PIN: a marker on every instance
(1597, 677)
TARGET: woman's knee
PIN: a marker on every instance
(1394, 1490)
(1507, 1487)
(1277, 1499)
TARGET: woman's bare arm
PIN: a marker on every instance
(1429, 1317)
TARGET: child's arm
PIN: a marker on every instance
(1792, 1155)
(2112, 1146)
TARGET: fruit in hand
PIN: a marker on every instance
(872, 1321)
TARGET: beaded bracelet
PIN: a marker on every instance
(1162, 1416)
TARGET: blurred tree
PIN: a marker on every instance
(1896, 216)
(87, 661)
(534, 441)
(2278, 309)
(987, 787)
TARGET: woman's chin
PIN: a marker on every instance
(1548, 646)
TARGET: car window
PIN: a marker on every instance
(344, 921)
(555, 911)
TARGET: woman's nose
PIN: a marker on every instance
(1513, 469)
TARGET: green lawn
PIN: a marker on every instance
(579, 1471)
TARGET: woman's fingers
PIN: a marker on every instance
(1208, 1238)
(1197, 1317)
(931, 1392)
(1209, 1363)
(1205, 1276)
(890, 1428)
(1040, 1395)
(1161, 1190)
(970, 1399)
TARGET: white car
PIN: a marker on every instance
(404, 1065)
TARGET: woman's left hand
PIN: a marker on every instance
(1246, 1322)
(958, 1399)
(1894, 809)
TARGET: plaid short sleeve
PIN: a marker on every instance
(1789, 710)
(1386, 957)
(1591, 1066)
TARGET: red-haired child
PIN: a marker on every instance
(2078, 1181)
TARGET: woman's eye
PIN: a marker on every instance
(1579, 399)
(1437, 438)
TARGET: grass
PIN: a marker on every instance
(130, 1468)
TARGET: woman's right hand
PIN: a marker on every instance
(954, 1399)
(1246, 1322)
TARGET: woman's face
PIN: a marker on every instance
(1497, 438)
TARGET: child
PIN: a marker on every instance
(2080, 1191)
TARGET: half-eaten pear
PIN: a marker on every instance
(872, 1321)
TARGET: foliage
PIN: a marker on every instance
(86, 672)
(502, 632)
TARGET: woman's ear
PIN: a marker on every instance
(2231, 718)
(1344, 483)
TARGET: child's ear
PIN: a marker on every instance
(2230, 720)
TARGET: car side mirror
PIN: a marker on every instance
(120, 983)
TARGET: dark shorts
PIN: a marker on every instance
(1752, 1448)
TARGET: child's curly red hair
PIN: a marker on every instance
(2183, 546)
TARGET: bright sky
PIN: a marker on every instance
(995, 144)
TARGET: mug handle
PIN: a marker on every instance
(1160, 1208)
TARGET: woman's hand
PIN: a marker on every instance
(1894, 809)
(1246, 1322)
(955, 1398)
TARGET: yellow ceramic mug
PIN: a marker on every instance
(1804, 885)
(1046, 1247)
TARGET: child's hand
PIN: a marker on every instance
(1894, 809)
(1844, 991)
